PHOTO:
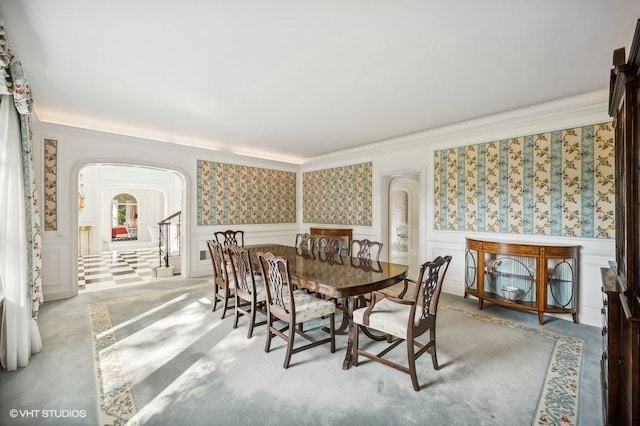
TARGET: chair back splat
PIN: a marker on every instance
(404, 318)
(249, 294)
(366, 249)
(223, 282)
(331, 245)
(305, 243)
(230, 237)
(278, 285)
(429, 292)
(293, 307)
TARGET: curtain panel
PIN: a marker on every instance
(20, 232)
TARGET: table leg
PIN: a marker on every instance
(348, 305)
(344, 322)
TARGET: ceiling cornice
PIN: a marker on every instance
(575, 111)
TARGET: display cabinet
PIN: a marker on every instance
(620, 364)
(526, 276)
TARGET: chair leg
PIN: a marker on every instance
(225, 302)
(412, 364)
(332, 325)
(236, 314)
(432, 350)
(292, 335)
(267, 346)
(252, 319)
(355, 331)
(215, 298)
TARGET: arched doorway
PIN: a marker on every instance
(122, 205)
(404, 221)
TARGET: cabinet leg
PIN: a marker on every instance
(541, 318)
(480, 303)
(575, 317)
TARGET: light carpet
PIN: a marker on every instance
(165, 358)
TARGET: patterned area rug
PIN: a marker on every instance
(559, 397)
(558, 401)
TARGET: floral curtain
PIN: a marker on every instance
(21, 282)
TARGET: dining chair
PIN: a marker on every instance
(366, 249)
(305, 242)
(250, 294)
(230, 237)
(404, 318)
(223, 282)
(292, 306)
(330, 245)
(365, 254)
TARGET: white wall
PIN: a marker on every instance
(416, 153)
(156, 191)
(79, 147)
(413, 154)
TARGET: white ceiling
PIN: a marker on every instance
(294, 79)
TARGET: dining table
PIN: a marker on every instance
(335, 276)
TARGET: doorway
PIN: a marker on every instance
(124, 218)
(121, 207)
(404, 221)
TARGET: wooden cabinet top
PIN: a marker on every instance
(522, 247)
(333, 232)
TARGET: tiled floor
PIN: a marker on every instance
(116, 268)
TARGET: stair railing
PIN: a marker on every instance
(169, 241)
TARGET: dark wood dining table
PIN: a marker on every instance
(334, 276)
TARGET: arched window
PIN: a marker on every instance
(124, 214)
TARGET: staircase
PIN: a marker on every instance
(169, 245)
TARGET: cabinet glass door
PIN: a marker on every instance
(561, 283)
(471, 264)
(510, 278)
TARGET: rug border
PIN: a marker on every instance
(117, 407)
(558, 402)
(559, 398)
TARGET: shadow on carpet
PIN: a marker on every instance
(165, 358)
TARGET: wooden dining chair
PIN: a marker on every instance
(250, 293)
(404, 318)
(366, 249)
(305, 242)
(229, 237)
(326, 244)
(365, 254)
(223, 282)
(292, 306)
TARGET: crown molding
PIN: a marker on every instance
(585, 109)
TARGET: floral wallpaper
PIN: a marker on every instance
(340, 196)
(558, 183)
(229, 194)
(50, 185)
